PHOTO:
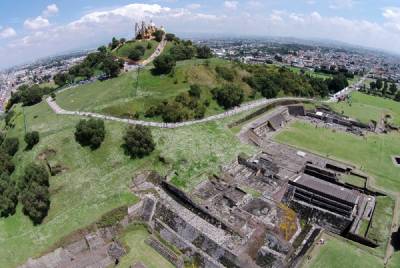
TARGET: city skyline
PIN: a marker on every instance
(29, 31)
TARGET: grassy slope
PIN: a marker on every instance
(336, 253)
(134, 238)
(119, 97)
(366, 108)
(97, 182)
(372, 153)
(124, 50)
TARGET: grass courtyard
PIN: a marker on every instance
(134, 238)
(338, 253)
(366, 108)
(96, 182)
(372, 154)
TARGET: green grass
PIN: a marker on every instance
(381, 222)
(373, 153)
(125, 49)
(362, 230)
(338, 253)
(366, 108)
(309, 72)
(119, 96)
(394, 261)
(354, 180)
(98, 181)
(134, 238)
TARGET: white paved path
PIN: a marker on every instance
(244, 107)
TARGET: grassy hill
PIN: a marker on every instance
(119, 96)
(95, 182)
(126, 48)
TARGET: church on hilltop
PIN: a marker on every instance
(145, 31)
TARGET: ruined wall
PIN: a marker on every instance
(190, 235)
(332, 222)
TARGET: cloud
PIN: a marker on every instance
(231, 4)
(392, 16)
(342, 4)
(7, 32)
(193, 6)
(50, 10)
(37, 23)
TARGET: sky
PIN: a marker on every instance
(31, 30)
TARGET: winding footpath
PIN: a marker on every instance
(243, 108)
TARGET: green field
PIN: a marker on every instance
(125, 49)
(366, 108)
(96, 182)
(309, 72)
(134, 238)
(373, 153)
(338, 253)
(119, 96)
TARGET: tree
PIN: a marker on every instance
(397, 97)
(204, 52)
(229, 95)
(158, 35)
(8, 196)
(138, 141)
(61, 79)
(31, 96)
(385, 89)
(31, 139)
(393, 89)
(182, 52)
(35, 196)
(170, 37)
(114, 43)
(372, 86)
(135, 54)
(90, 133)
(379, 83)
(36, 202)
(102, 49)
(164, 64)
(111, 67)
(337, 83)
(10, 146)
(195, 91)
(8, 118)
(6, 164)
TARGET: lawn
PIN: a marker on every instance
(134, 238)
(380, 226)
(96, 182)
(354, 180)
(120, 97)
(366, 108)
(310, 72)
(372, 154)
(338, 253)
(125, 49)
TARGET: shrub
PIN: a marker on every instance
(164, 64)
(135, 54)
(113, 217)
(31, 139)
(10, 146)
(182, 52)
(158, 35)
(195, 91)
(228, 96)
(138, 142)
(90, 133)
(149, 45)
(225, 72)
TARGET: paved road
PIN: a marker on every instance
(245, 107)
(346, 91)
